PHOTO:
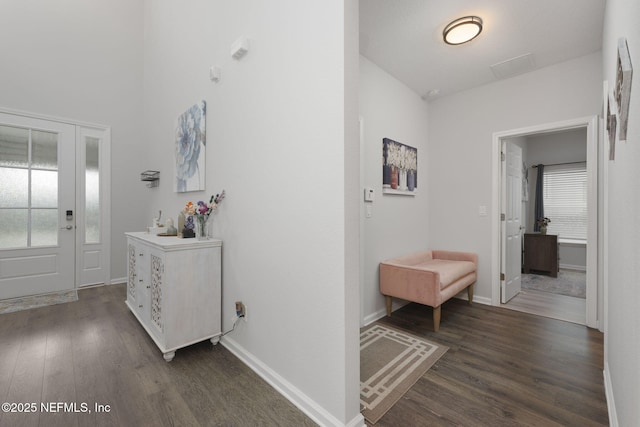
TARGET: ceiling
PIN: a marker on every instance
(404, 37)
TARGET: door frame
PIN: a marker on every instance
(591, 124)
(105, 188)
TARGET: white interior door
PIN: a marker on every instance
(37, 206)
(512, 224)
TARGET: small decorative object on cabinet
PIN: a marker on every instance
(174, 289)
(541, 253)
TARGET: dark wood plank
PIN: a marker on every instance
(503, 368)
(95, 351)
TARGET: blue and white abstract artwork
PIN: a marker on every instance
(190, 166)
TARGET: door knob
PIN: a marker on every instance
(68, 227)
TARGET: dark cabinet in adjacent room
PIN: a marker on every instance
(541, 253)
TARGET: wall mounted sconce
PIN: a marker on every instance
(462, 30)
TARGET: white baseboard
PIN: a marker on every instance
(118, 281)
(608, 391)
(476, 298)
(358, 421)
(573, 267)
(303, 402)
(369, 319)
(395, 305)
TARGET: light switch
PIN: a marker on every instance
(482, 210)
(367, 211)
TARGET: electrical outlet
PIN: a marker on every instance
(241, 310)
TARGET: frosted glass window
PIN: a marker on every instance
(14, 188)
(28, 188)
(14, 146)
(13, 228)
(92, 190)
(44, 227)
(44, 150)
(44, 189)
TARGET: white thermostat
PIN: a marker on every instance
(369, 195)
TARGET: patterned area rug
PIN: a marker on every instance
(572, 283)
(25, 303)
(391, 361)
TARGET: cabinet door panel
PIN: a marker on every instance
(157, 273)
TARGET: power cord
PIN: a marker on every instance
(237, 317)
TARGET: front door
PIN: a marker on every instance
(37, 206)
(512, 230)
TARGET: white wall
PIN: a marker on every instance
(398, 224)
(281, 137)
(64, 59)
(622, 317)
(548, 149)
(460, 137)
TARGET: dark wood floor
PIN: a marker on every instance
(94, 351)
(503, 368)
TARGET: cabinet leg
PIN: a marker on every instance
(169, 356)
(388, 301)
(215, 340)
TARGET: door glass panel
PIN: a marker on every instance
(13, 228)
(92, 191)
(44, 189)
(44, 227)
(15, 189)
(44, 150)
(14, 146)
(25, 187)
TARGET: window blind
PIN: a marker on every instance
(565, 200)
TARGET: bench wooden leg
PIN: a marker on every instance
(388, 301)
(436, 318)
(470, 293)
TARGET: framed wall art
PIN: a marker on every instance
(612, 123)
(190, 149)
(623, 87)
(399, 168)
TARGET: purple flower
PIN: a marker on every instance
(202, 208)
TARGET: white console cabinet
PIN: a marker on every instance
(174, 289)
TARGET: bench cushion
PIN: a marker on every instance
(450, 271)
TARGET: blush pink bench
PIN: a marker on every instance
(429, 278)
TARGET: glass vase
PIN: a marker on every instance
(201, 228)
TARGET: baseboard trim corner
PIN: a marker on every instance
(358, 421)
(608, 391)
(303, 402)
(476, 299)
(118, 281)
(377, 315)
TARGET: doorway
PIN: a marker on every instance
(499, 237)
(54, 209)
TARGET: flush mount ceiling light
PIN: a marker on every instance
(462, 30)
